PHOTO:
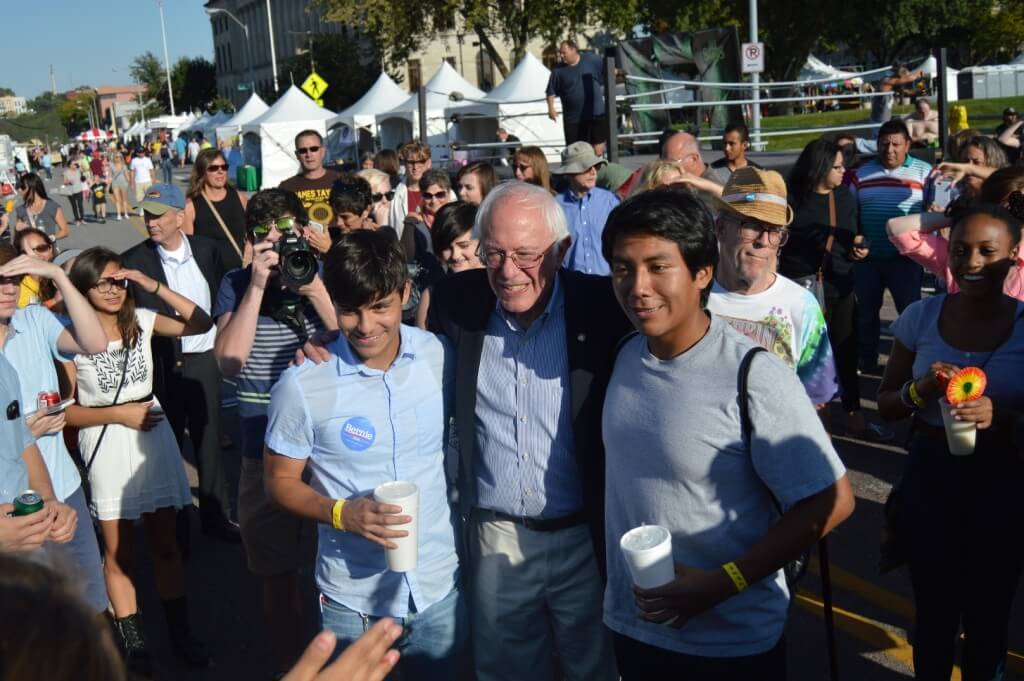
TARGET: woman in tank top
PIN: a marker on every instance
(209, 196)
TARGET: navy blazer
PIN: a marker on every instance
(144, 258)
(460, 308)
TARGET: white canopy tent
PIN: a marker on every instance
(401, 124)
(269, 139)
(930, 67)
(209, 128)
(519, 105)
(384, 95)
(232, 127)
(816, 69)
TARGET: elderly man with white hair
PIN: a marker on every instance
(534, 343)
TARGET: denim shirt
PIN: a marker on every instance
(360, 427)
(586, 216)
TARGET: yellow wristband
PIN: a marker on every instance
(736, 576)
(915, 396)
(157, 289)
(336, 520)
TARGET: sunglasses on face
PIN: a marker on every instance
(523, 167)
(217, 168)
(386, 195)
(42, 248)
(11, 281)
(282, 225)
(436, 197)
(106, 285)
(306, 150)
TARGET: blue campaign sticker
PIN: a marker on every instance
(358, 434)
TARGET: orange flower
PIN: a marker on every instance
(966, 385)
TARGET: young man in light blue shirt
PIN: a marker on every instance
(373, 413)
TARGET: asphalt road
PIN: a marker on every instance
(872, 612)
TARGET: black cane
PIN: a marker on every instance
(826, 597)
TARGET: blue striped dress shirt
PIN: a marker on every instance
(525, 462)
(586, 216)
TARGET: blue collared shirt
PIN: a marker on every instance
(360, 427)
(525, 460)
(14, 435)
(31, 346)
(586, 216)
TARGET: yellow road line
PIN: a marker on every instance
(872, 593)
(869, 631)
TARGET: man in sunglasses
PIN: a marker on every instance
(260, 324)
(313, 182)
(187, 380)
(774, 312)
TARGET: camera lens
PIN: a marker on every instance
(299, 267)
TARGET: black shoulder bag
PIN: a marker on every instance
(795, 569)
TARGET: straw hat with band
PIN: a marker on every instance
(758, 194)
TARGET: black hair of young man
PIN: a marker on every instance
(364, 266)
(669, 213)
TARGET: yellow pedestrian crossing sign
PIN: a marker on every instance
(314, 86)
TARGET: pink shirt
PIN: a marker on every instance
(931, 251)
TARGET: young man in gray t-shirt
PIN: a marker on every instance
(677, 457)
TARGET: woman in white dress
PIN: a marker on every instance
(135, 466)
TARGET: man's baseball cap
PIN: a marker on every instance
(578, 157)
(1009, 111)
(160, 198)
(758, 194)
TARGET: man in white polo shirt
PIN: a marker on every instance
(187, 379)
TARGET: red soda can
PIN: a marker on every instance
(47, 398)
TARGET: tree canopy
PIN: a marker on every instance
(345, 64)
(194, 81)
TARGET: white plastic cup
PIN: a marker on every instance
(960, 435)
(406, 495)
(648, 552)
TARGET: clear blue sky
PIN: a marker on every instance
(85, 41)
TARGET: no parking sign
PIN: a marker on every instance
(752, 57)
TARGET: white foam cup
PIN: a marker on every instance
(406, 495)
(960, 435)
(648, 552)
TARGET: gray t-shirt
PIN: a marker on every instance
(675, 457)
(45, 220)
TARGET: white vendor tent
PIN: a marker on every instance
(401, 124)
(209, 128)
(519, 105)
(930, 67)
(232, 127)
(344, 129)
(269, 139)
(815, 69)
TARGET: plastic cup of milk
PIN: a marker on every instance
(648, 552)
(960, 435)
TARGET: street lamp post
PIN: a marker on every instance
(270, 38)
(167, 62)
(248, 44)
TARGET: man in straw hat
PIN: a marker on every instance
(778, 314)
(586, 208)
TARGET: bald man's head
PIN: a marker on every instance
(684, 149)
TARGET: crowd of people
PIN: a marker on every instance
(552, 360)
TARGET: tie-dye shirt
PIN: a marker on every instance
(785, 319)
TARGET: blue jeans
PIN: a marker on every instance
(902, 276)
(165, 168)
(432, 642)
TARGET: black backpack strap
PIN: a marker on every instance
(746, 427)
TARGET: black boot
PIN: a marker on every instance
(182, 642)
(132, 642)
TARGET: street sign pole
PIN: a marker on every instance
(755, 84)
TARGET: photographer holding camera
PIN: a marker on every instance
(264, 313)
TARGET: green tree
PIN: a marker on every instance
(221, 104)
(47, 101)
(195, 84)
(349, 67)
(399, 27)
(6, 92)
(74, 110)
(147, 70)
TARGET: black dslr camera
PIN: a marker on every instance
(296, 262)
